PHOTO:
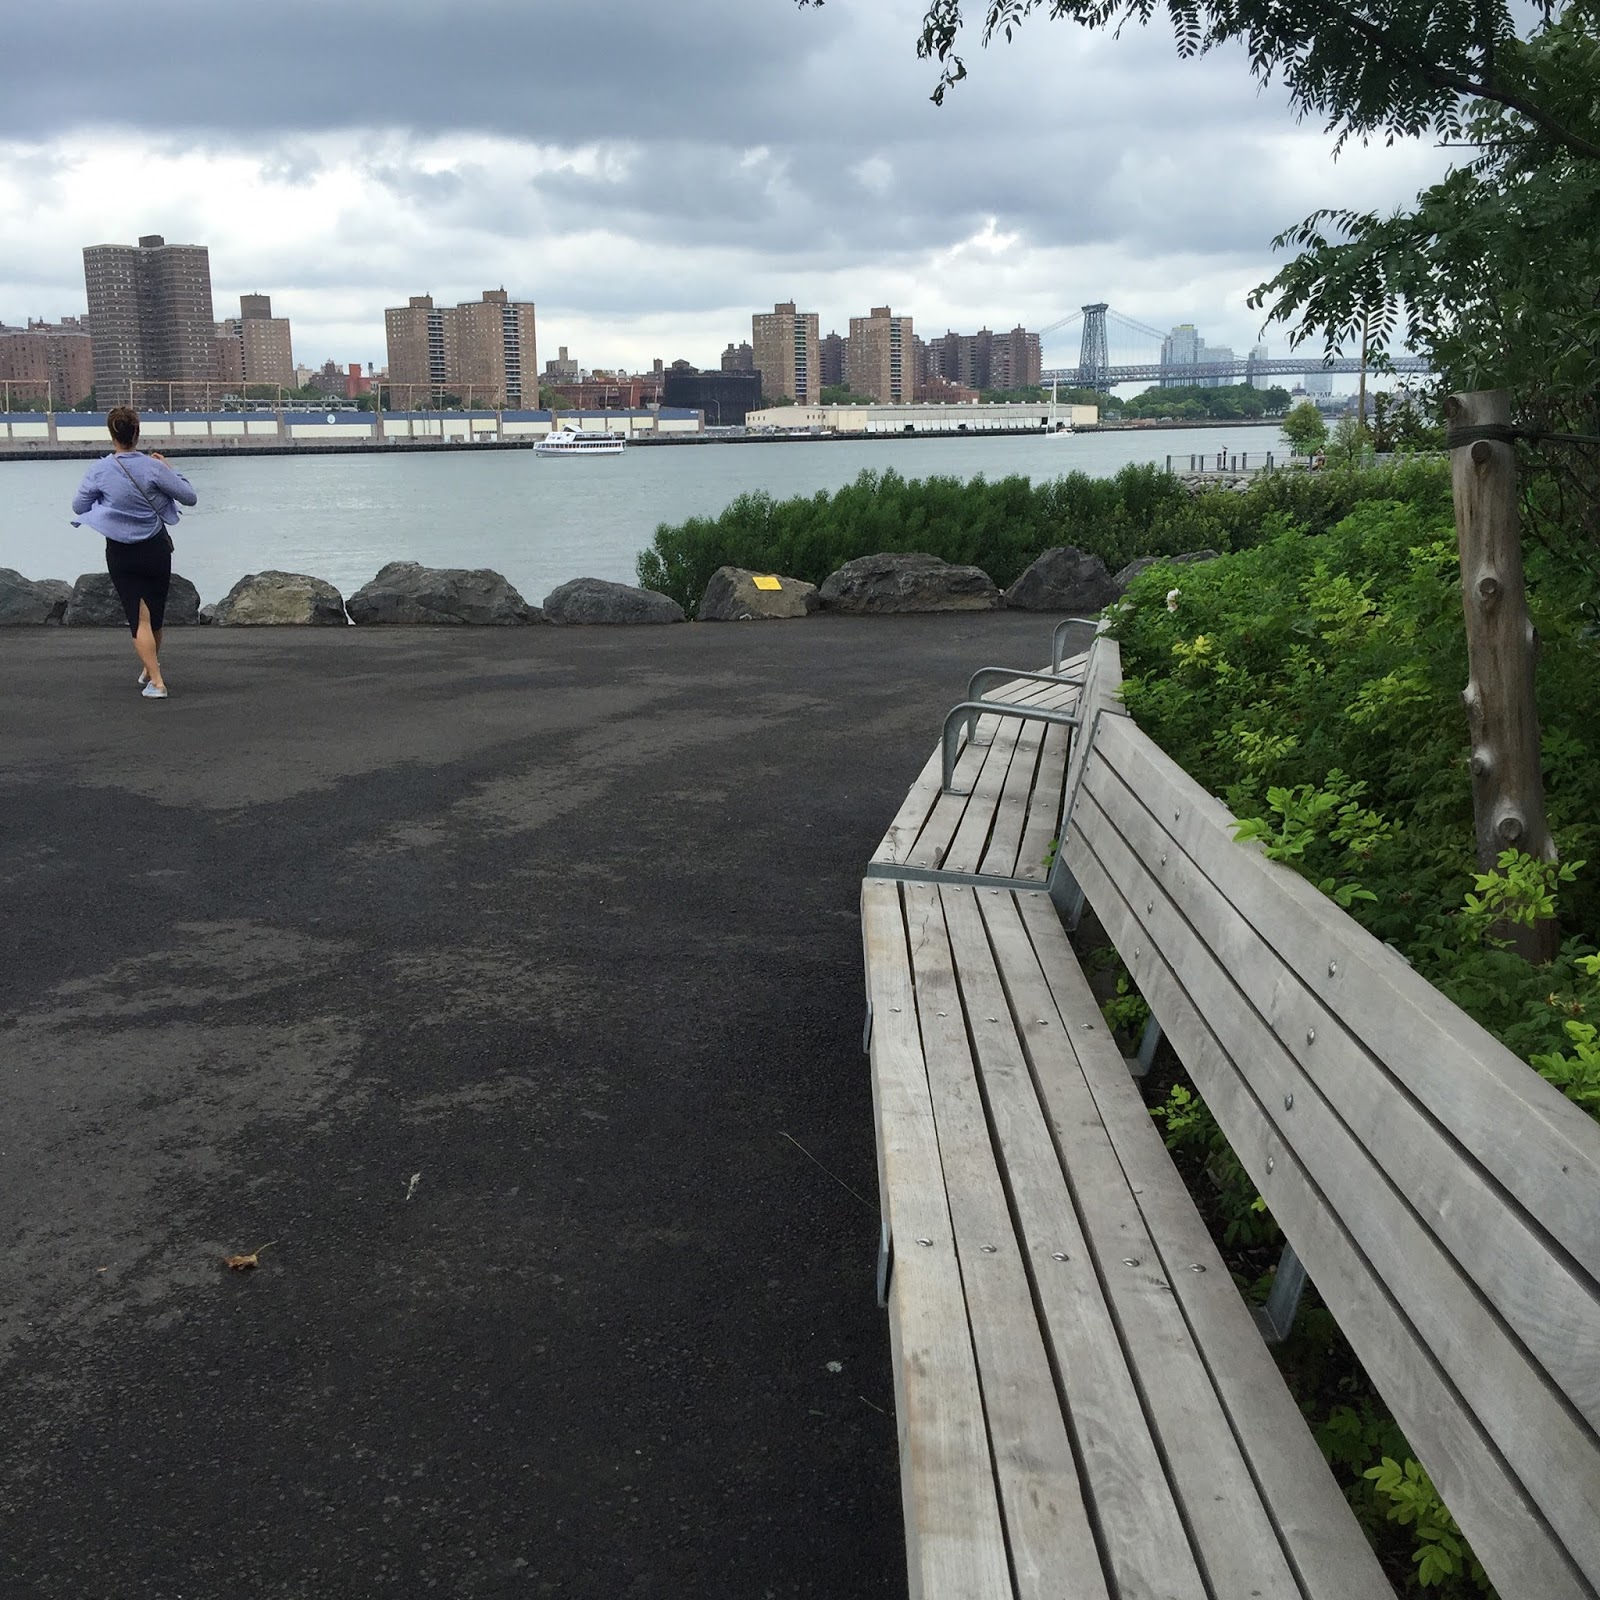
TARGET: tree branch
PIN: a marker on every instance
(1479, 89)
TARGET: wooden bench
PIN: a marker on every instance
(1085, 1404)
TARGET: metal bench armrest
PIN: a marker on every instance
(992, 708)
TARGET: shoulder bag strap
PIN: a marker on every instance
(143, 494)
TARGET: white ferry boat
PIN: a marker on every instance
(570, 442)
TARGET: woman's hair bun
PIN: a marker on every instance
(123, 421)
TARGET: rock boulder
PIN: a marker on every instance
(733, 595)
(405, 592)
(897, 583)
(1064, 579)
(1134, 568)
(94, 603)
(29, 602)
(594, 600)
(283, 598)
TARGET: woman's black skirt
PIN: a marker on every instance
(141, 571)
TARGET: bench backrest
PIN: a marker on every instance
(1443, 1197)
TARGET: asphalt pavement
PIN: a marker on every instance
(501, 990)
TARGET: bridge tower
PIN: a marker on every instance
(1094, 357)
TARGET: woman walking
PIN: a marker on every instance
(131, 497)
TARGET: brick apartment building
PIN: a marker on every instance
(835, 356)
(879, 358)
(785, 345)
(46, 363)
(483, 350)
(983, 360)
(253, 348)
(150, 318)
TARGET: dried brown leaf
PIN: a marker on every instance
(247, 1263)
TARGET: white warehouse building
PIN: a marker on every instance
(922, 417)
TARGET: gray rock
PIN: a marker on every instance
(912, 582)
(1064, 579)
(94, 603)
(30, 602)
(404, 592)
(279, 598)
(732, 596)
(1144, 563)
(590, 600)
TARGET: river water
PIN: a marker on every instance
(540, 521)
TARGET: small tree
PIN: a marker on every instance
(1305, 430)
(1350, 445)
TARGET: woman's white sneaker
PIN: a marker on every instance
(151, 692)
(144, 678)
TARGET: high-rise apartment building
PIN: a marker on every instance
(267, 348)
(150, 316)
(254, 347)
(983, 360)
(880, 357)
(496, 358)
(787, 356)
(227, 357)
(49, 363)
(484, 350)
(831, 352)
(1016, 360)
(415, 333)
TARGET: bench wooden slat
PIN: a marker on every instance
(1209, 1476)
(1011, 813)
(1363, 1256)
(1044, 811)
(1141, 1529)
(1317, 1527)
(1047, 1525)
(1006, 750)
(1205, 1456)
(1529, 1136)
(955, 1542)
(1499, 1247)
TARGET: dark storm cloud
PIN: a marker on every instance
(724, 120)
(628, 157)
(617, 67)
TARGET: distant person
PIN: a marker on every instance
(131, 497)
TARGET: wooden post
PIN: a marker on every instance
(1502, 649)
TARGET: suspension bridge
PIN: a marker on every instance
(1096, 368)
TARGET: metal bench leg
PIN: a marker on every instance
(1065, 895)
(866, 1032)
(885, 1262)
(1149, 1043)
(1276, 1317)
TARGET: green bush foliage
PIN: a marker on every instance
(1004, 525)
(1313, 681)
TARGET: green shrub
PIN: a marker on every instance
(1314, 683)
(1003, 525)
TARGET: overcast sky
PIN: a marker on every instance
(649, 172)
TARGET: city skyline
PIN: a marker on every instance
(800, 159)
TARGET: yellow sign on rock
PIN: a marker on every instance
(765, 581)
